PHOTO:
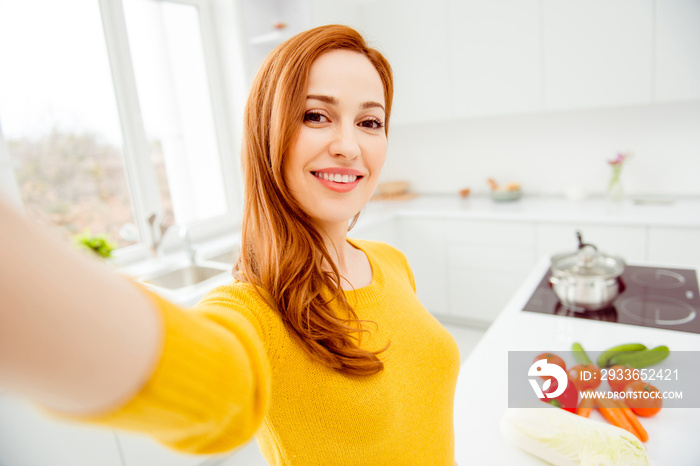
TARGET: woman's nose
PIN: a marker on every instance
(345, 143)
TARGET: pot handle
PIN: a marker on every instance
(621, 285)
(581, 244)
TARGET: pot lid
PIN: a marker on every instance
(588, 262)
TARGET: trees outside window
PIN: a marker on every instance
(112, 111)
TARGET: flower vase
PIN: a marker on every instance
(615, 191)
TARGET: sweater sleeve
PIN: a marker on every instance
(209, 390)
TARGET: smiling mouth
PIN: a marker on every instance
(337, 177)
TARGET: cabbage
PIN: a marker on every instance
(564, 438)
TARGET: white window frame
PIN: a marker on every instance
(140, 173)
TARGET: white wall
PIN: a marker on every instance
(547, 152)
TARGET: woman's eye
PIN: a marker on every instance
(372, 123)
(314, 117)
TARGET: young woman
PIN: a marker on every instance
(319, 347)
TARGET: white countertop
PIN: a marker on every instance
(680, 212)
(482, 391)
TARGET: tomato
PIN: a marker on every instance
(585, 376)
(642, 398)
(568, 400)
(551, 359)
(620, 376)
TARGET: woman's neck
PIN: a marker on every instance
(335, 238)
(352, 263)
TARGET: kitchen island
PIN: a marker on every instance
(482, 389)
(469, 256)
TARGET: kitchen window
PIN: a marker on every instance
(113, 111)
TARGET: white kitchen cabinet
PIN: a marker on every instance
(677, 41)
(140, 450)
(476, 58)
(496, 56)
(382, 230)
(626, 241)
(674, 246)
(29, 437)
(476, 297)
(422, 240)
(247, 455)
(597, 53)
(413, 35)
(486, 262)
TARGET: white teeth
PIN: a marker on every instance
(337, 177)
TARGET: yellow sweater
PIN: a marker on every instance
(231, 369)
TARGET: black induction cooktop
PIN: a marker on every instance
(666, 298)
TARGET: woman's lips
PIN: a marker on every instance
(340, 180)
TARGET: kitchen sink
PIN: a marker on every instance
(226, 257)
(182, 277)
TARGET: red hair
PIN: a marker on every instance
(282, 252)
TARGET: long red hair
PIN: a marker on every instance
(282, 252)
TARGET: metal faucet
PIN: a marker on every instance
(159, 230)
(187, 241)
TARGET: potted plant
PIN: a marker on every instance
(98, 244)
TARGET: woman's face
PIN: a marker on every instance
(334, 164)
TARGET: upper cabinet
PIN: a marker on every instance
(677, 50)
(597, 53)
(495, 54)
(413, 35)
(476, 58)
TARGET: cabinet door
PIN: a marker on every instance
(496, 57)
(674, 246)
(413, 36)
(677, 50)
(139, 450)
(384, 231)
(29, 437)
(247, 455)
(597, 53)
(487, 261)
(628, 242)
(422, 241)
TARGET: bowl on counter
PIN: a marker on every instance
(499, 195)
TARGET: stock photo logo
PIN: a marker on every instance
(541, 368)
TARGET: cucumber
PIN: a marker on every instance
(640, 359)
(580, 355)
(604, 359)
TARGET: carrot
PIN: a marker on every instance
(613, 413)
(634, 421)
(585, 407)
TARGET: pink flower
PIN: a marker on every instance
(619, 160)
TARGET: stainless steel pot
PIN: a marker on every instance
(586, 280)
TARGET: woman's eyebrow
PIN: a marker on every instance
(323, 98)
(371, 104)
(333, 101)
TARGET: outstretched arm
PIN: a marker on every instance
(93, 346)
(73, 336)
